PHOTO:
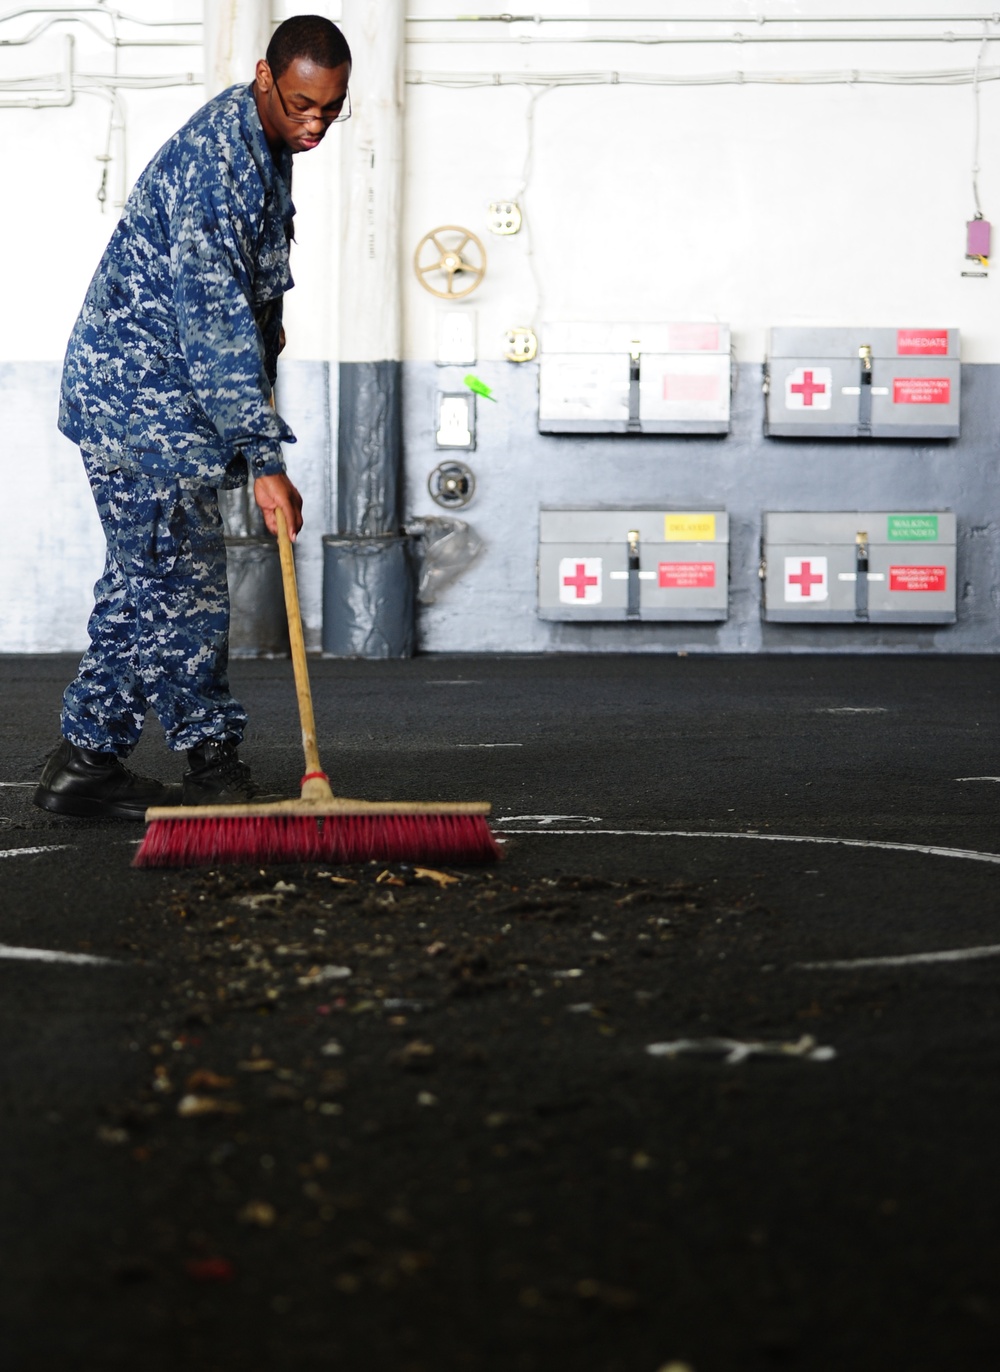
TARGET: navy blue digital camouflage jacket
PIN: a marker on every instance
(171, 362)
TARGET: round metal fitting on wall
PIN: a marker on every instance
(450, 256)
(451, 484)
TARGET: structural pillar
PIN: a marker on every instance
(236, 35)
(368, 588)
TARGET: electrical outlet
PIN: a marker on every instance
(456, 340)
(456, 420)
(521, 345)
(504, 217)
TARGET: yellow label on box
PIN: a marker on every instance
(689, 528)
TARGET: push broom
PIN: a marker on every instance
(319, 826)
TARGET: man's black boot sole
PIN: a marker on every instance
(86, 807)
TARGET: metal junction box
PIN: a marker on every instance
(639, 565)
(862, 383)
(875, 568)
(634, 378)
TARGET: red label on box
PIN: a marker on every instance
(922, 342)
(918, 579)
(921, 390)
(685, 576)
(683, 386)
(693, 338)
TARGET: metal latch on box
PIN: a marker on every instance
(634, 376)
(865, 391)
(633, 576)
(865, 421)
(861, 576)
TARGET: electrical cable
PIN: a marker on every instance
(523, 199)
(85, 83)
(65, 14)
(758, 19)
(975, 137)
(849, 77)
(741, 39)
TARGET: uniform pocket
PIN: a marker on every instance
(145, 530)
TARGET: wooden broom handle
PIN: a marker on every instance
(298, 646)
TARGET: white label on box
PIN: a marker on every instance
(580, 580)
(806, 579)
(809, 388)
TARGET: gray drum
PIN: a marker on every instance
(369, 590)
(258, 625)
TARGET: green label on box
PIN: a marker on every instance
(913, 528)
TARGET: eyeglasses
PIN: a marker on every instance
(311, 117)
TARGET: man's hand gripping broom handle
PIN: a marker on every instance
(314, 784)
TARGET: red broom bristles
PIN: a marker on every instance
(301, 838)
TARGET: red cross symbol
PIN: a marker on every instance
(580, 581)
(807, 388)
(807, 578)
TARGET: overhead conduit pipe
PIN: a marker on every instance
(74, 14)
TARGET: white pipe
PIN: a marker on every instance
(711, 40)
(75, 15)
(236, 35)
(372, 171)
(760, 19)
(106, 13)
(849, 77)
(66, 98)
(85, 83)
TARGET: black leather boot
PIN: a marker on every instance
(92, 785)
(218, 777)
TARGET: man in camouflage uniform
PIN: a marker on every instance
(167, 389)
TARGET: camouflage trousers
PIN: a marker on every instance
(159, 631)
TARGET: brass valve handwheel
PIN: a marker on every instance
(455, 252)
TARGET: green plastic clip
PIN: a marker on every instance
(480, 387)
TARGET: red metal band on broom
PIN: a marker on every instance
(319, 826)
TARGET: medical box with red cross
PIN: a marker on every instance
(636, 565)
(862, 383)
(859, 567)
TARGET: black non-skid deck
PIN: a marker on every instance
(388, 1118)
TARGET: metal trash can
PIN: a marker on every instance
(258, 624)
(369, 590)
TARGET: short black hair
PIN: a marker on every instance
(306, 35)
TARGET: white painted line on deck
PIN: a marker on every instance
(734, 1051)
(48, 955)
(931, 850)
(27, 852)
(489, 745)
(989, 950)
(547, 819)
(977, 778)
(852, 710)
(12, 784)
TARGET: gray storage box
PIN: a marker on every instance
(862, 383)
(856, 568)
(640, 565)
(634, 378)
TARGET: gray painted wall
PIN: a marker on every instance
(52, 550)
(492, 607)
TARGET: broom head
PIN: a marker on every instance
(334, 831)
